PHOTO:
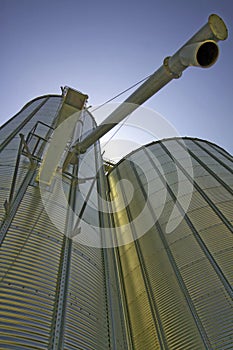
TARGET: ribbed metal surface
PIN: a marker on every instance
(42, 109)
(178, 284)
(53, 292)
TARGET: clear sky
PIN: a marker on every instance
(103, 47)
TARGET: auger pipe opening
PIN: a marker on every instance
(207, 54)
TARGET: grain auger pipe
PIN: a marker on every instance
(200, 51)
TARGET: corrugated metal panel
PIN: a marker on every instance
(32, 259)
(188, 268)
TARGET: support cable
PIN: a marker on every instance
(121, 93)
(113, 98)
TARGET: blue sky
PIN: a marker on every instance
(103, 47)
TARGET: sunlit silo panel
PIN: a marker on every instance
(177, 270)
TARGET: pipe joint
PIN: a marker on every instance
(169, 71)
